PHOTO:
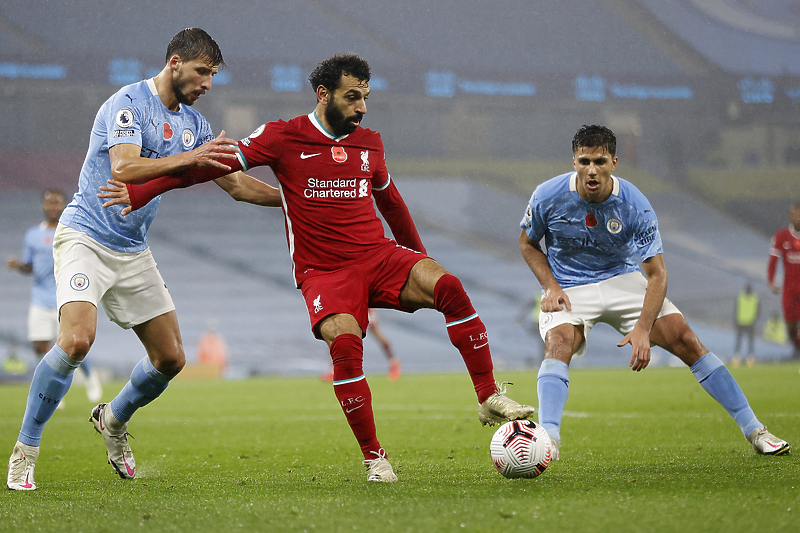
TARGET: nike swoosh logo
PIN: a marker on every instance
(353, 409)
(304, 155)
(131, 471)
(27, 484)
(476, 346)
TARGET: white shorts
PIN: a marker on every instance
(128, 285)
(42, 323)
(616, 301)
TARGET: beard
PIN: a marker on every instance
(181, 94)
(340, 124)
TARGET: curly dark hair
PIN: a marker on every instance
(329, 72)
(595, 136)
(194, 43)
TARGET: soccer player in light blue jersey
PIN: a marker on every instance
(37, 259)
(596, 229)
(145, 130)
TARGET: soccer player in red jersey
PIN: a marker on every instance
(329, 169)
(786, 248)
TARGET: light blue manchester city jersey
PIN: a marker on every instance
(38, 252)
(135, 115)
(590, 242)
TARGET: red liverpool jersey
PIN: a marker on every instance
(326, 185)
(786, 247)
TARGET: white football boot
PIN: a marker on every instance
(498, 408)
(555, 449)
(120, 455)
(20, 467)
(380, 469)
(766, 443)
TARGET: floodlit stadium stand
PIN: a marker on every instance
(476, 102)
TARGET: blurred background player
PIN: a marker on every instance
(775, 329)
(746, 313)
(145, 130)
(383, 340)
(785, 248)
(212, 349)
(597, 228)
(37, 259)
(330, 169)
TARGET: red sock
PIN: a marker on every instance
(352, 391)
(466, 332)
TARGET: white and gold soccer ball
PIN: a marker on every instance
(520, 448)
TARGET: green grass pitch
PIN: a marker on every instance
(645, 452)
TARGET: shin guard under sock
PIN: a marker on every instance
(466, 332)
(352, 391)
(146, 384)
(552, 386)
(720, 384)
(51, 381)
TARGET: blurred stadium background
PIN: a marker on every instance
(477, 103)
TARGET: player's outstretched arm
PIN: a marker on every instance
(244, 188)
(395, 212)
(128, 166)
(16, 264)
(639, 338)
(554, 298)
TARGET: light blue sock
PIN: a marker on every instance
(552, 386)
(719, 383)
(51, 381)
(146, 385)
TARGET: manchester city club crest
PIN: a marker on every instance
(79, 282)
(614, 226)
(188, 138)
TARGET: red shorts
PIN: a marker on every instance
(791, 305)
(375, 282)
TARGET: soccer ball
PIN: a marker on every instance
(520, 448)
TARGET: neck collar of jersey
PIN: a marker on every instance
(793, 233)
(151, 84)
(317, 124)
(573, 184)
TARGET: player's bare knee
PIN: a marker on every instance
(687, 347)
(559, 345)
(76, 345)
(171, 365)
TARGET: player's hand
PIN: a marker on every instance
(774, 288)
(13, 263)
(555, 300)
(214, 152)
(639, 339)
(118, 193)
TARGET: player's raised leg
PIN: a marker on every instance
(165, 359)
(343, 335)
(430, 285)
(51, 381)
(672, 333)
